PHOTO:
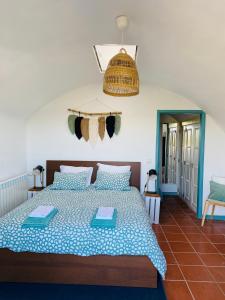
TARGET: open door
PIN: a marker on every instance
(172, 154)
(196, 139)
(180, 155)
(190, 157)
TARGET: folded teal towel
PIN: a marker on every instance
(33, 222)
(100, 223)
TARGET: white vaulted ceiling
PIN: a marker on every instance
(46, 48)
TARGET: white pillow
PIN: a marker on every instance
(75, 170)
(113, 169)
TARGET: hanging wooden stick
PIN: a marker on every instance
(95, 114)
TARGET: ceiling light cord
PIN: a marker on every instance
(122, 23)
(122, 37)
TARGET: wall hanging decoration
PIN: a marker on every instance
(77, 125)
(91, 126)
(93, 131)
(110, 125)
(117, 124)
(85, 128)
(71, 123)
(101, 127)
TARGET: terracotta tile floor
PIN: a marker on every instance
(195, 255)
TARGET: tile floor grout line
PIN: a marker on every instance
(217, 282)
(200, 260)
(180, 269)
(207, 268)
(192, 251)
(204, 281)
(199, 231)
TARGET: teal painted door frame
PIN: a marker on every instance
(201, 150)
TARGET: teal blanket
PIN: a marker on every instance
(69, 232)
(31, 222)
(97, 223)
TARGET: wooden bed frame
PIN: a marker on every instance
(132, 271)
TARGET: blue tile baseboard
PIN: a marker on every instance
(169, 193)
(215, 217)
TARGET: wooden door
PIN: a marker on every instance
(195, 160)
(186, 161)
(172, 154)
(189, 166)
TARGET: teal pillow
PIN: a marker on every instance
(69, 181)
(113, 181)
(217, 191)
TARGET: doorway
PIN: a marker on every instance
(180, 155)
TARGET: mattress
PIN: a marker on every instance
(70, 231)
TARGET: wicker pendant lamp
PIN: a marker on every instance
(121, 76)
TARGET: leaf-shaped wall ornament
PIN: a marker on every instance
(110, 125)
(85, 128)
(117, 124)
(78, 132)
(101, 127)
(93, 131)
(71, 123)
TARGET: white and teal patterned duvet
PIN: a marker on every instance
(70, 232)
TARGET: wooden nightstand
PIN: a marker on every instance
(152, 203)
(33, 191)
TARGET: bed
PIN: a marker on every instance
(68, 251)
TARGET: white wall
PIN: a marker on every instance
(12, 146)
(214, 156)
(48, 136)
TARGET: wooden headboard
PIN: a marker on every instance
(54, 165)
